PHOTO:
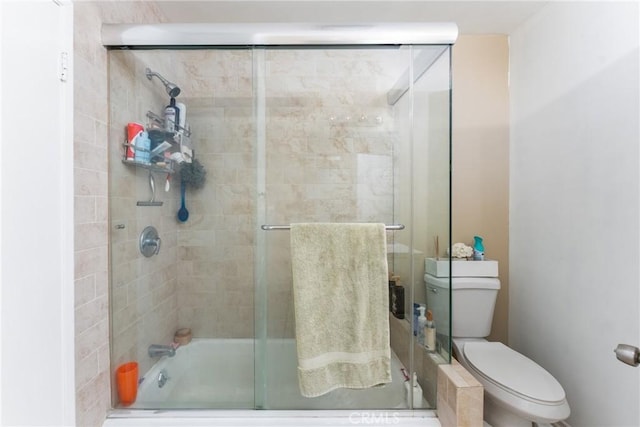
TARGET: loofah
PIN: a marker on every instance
(193, 174)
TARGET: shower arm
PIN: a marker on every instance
(172, 89)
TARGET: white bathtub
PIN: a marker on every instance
(212, 377)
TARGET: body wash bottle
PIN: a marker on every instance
(430, 332)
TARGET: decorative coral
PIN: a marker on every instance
(460, 250)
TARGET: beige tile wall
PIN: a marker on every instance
(329, 143)
(91, 206)
(216, 244)
(143, 290)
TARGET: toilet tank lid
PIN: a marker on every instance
(463, 282)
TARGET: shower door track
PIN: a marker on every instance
(278, 34)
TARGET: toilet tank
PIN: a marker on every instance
(472, 305)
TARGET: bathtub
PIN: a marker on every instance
(214, 380)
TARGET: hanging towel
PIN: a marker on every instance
(340, 292)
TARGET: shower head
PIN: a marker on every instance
(172, 89)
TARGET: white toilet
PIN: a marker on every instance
(518, 391)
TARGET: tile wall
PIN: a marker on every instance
(216, 244)
(330, 138)
(329, 147)
(91, 113)
(143, 295)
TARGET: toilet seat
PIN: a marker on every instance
(513, 372)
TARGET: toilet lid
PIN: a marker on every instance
(511, 370)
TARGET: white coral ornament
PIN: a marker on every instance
(460, 250)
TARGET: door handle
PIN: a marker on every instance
(628, 354)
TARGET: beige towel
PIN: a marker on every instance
(340, 292)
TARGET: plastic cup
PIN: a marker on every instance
(127, 381)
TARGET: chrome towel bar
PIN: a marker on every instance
(268, 227)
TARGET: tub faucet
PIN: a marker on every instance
(159, 350)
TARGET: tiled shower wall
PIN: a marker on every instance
(93, 374)
(216, 244)
(329, 158)
(330, 142)
(143, 290)
(329, 146)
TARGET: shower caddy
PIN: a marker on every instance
(179, 143)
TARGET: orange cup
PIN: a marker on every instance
(127, 380)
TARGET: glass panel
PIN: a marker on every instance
(285, 135)
(338, 151)
(421, 201)
(202, 278)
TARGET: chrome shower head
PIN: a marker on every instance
(172, 89)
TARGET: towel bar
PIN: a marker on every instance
(268, 227)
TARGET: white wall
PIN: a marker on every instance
(36, 224)
(574, 208)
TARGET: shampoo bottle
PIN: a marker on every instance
(397, 301)
(171, 116)
(430, 332)
(478, 249)
(392, 284)
(422, 323)
(181, 120)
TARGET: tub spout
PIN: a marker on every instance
(159, 350)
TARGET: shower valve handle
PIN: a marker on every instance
(150, 242)
(156, 243)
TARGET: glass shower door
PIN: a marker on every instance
(313, 134)
(202, 277)
(340, 145)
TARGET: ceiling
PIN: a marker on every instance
(472, 17)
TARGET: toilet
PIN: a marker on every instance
(518, 391)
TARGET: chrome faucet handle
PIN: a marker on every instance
(150, 241)
(163, 377)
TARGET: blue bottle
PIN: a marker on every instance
(478, 249)
(143, 148)
(416, 316)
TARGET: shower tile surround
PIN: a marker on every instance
(216, 244)
(332, 170)
(329, 158)
(143, 290)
